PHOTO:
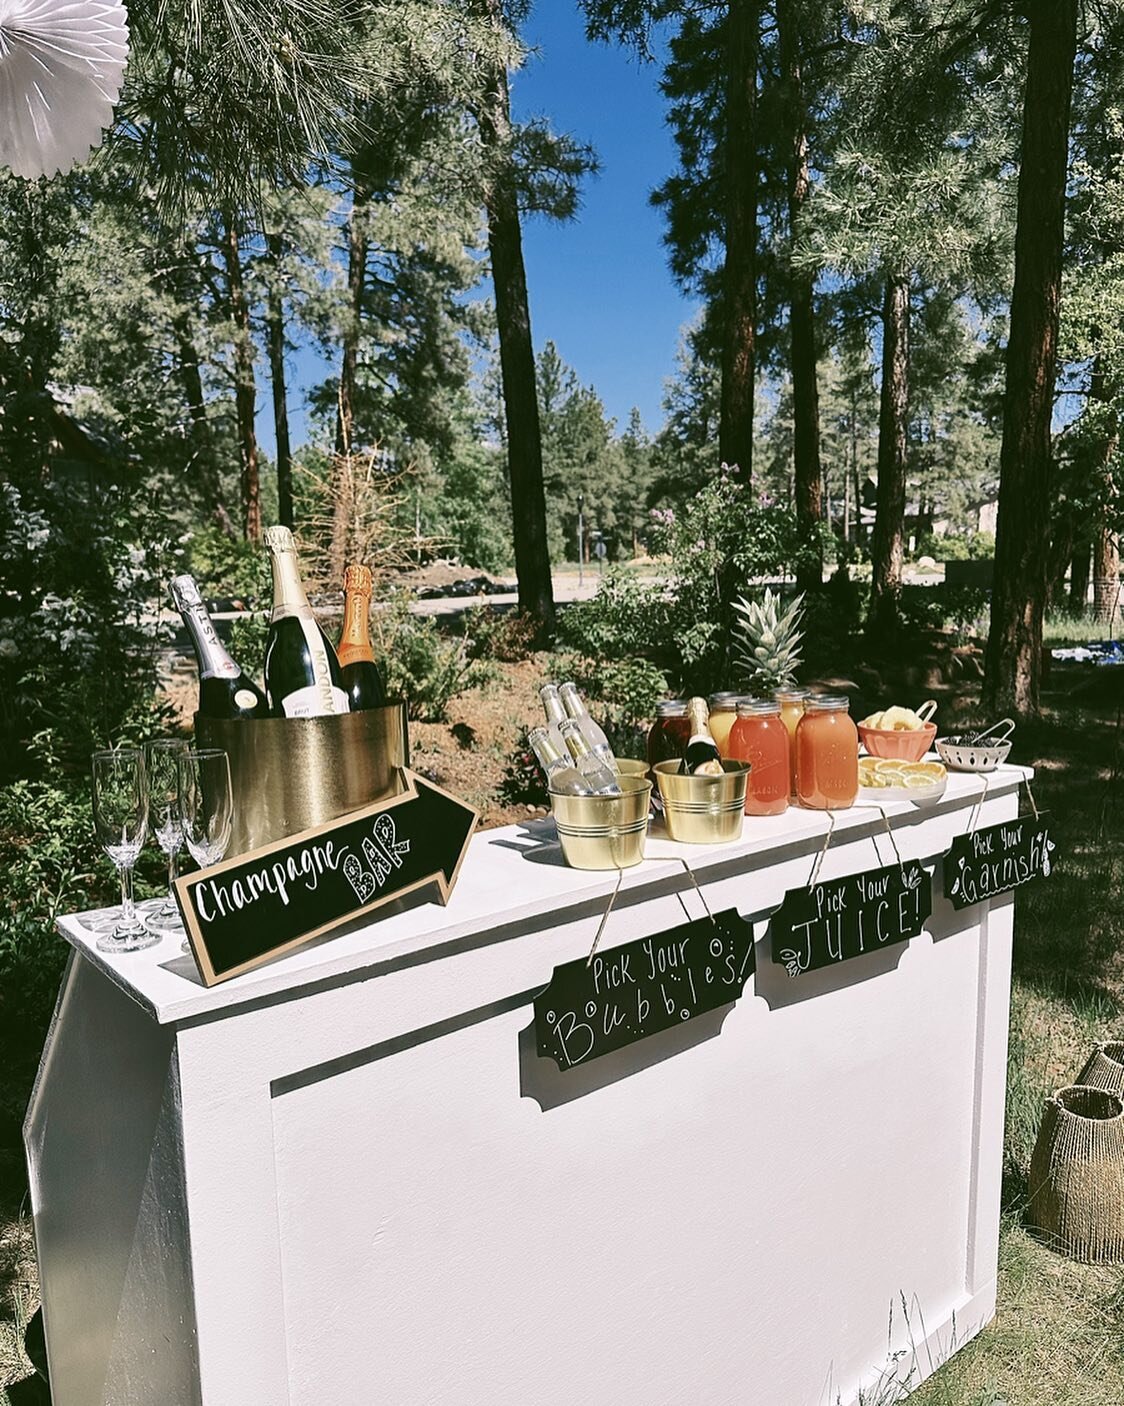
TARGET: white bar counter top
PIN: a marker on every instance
(347, 1177)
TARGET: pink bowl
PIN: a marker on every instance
(898, 746)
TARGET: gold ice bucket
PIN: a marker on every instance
(291, 774)
(604, 832)
(703, 810)
(629, 767)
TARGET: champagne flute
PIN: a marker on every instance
(165, 815)
(121, 825)
(207, 804)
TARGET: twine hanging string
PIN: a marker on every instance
(977, 806)
(1030, 797)
(613, 899)
(820, 857)
(605, 918)
(702, 896)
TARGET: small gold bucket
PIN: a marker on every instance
(629, 767)
(703, 810)
(291, 774)
(604, 832)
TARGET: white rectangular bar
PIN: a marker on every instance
(347, 1176)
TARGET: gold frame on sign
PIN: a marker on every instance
(184, 885)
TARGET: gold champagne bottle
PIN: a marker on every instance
(362, 679)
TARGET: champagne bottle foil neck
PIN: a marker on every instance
(185, 593)
(279, 539)
(357, 580)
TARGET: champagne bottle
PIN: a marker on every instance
(555, 716)
(594, 734)
(701, 757)
(224, 690)
(302, 673)
(601, 779)
(362, 679)
(561, 773)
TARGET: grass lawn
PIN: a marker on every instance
(1058, 1338)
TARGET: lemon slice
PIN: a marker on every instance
(918, 783)
(931, 771)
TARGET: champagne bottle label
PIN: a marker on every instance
(322, 696)
(214, 661)
(245, 699)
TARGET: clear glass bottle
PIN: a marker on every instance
(561, 773)
(760, 738)
(827, 754)
(700, 757)
(594, 734)
(555, 712)
(601, 779)
(723, 716)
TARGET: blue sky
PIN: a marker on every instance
(599, 285)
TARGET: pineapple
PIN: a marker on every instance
(767, 643)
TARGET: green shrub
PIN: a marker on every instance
(230, 566)
(523, 782)
(963, 609)
(422, 665)
(507, 635)
(718, 544)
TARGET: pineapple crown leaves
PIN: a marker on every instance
(767, 641)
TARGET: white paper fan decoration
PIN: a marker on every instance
(61, 65)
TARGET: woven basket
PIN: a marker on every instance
(1105, 1068)
(1077, 1175)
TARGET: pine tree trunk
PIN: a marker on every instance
(802, 317)
(1018, 598)
(1106, 577)
(358, 248)
(1080, 564)
(739, 312)
(889, 515)
(245, 390)
(517, 358)
(276, 319)
(203, 462)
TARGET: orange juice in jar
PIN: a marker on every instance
(760, 738)
(792, 702)
(827, 754)
(723, 716)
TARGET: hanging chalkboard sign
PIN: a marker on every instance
(247, 910)
(628, 993)
(996, 859)
(843, 918)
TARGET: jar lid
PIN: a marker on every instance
(792, 695)
(758, 708)
(724, 700)
(671, 708)
(827, 703)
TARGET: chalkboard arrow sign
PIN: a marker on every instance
(996, 859)
(248, 910)
(628, 993)
(843, 918)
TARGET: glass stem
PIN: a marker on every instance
(173, 867)
(128, 910)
